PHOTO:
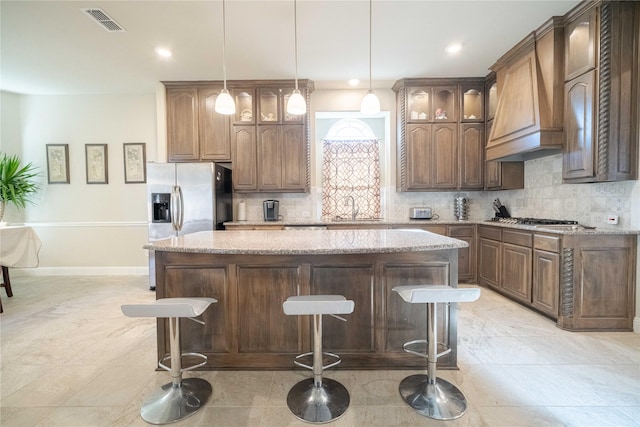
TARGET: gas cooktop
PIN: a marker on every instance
(534, 221)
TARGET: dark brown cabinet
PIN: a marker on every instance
(282, 152)
(437, 148)
(182, 124)
(195, 131)
(545, 286)
(489, 256)
(601, 92)
(245, 171)
(516, 265)
(579, 152)
(466, 256)
(281, 142)
(432, 156)
(471, 157)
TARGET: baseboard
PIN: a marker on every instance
(80, 271)
(636, 325)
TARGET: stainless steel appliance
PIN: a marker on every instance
(420, 213)
(185, 198)
(271, 210)
(534, 221)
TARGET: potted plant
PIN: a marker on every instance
(17, 182)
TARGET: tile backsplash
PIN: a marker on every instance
(544, 196)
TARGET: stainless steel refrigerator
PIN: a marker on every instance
(184, 198)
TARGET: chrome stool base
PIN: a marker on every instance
(173, 403)
(440, 401)
(318, 404)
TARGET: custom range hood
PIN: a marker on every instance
(529, 115)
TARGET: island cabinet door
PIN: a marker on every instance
(262, 325)
(354, 282)
(212, 282)
(408, 322)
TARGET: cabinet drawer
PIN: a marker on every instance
(546, 243)
(461, 230)
(517, 238)
(492, 233)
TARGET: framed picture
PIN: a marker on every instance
(96, 163)
(135, 163)
(58, 163)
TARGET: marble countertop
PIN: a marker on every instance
(418, 222)
(306, 242)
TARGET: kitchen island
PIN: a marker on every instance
(251, 273)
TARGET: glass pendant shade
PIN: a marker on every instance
(296, 104)
(224, 103)
(370, 104)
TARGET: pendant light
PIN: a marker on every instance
(224, 101)
(296, 105)
(370, 103)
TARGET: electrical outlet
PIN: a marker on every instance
(612, 219)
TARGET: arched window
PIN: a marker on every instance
(350, 171)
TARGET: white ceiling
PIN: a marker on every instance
(52, 47)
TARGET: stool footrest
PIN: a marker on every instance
(188, 368)
(424, 355)
(330, 365)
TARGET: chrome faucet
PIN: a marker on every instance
(354, 210)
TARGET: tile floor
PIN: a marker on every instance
(70, 358)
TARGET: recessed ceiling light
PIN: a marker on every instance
(354, 82)
(164, 52)
(454, 48)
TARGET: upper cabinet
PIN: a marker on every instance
(472, 103)
(195, 131)
(601, 92)
(270, 147)
(580, 44)
(428, 104)
(440, 136)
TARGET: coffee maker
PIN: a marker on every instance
(271, 210)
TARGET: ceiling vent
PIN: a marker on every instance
(104, 20)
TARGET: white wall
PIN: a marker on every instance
(85, 229)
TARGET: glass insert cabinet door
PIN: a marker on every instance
(272, 106)
(472, 103)
(245, 111)
(444, 104)
(432, 104)
(419, 105)
(269, 105)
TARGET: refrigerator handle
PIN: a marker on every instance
(177, 207)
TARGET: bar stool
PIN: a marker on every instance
(429, 395)
(318, 400)
(181, 397)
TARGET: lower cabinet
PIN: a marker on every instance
(521, 265)
(545, 285)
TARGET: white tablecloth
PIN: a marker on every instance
(19, 246)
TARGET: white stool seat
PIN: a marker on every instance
(169, 307)
(421, 294)
(317, 304)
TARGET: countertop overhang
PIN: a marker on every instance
(306, 242)
(426, 222)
